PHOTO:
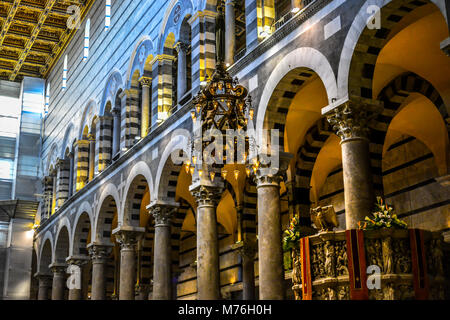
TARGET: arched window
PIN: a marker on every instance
(87, 31)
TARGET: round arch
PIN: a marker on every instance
(88, 114)
(139, 177)
(175, 13)
(143, 49)
(299, 58)
(113, 84)
(178, 142)
(353, 36)
(109, 200)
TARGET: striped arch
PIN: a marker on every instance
(67, 142)
(113, 84)
(173, 18)
(45, 256)
(307, 155)
(52, 158)
(362, 45)
(108, 208)
(87, 117)
(63, 241)
(393, 96)
(143, 49)
(168, 172)
(82, 230)
(139, 179)
(249, 207)
(286, 79)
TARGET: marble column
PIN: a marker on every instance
(350, 121)
(45, 285)
(270, 251)
(182, 69)
(208, 272)
(75, 265)
(99, 254)
(116, 131)
(247, 250)
(162, 276)
(71, 163)
(59, 281)
(128, 238)
(91, 139)
(230, 32)
(146, 83)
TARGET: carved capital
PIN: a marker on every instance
(79, 261)
(247, 248)
(206, 195)
(99, 253)
(162, 212)
(58, 268)
(230, 2)
(128, 237)
(181, 47)
(351, 119)
(272, 175)
(145, 81)
(45, 280)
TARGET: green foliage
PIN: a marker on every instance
(383, 217)
(291, 237)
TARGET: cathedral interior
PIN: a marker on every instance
(359, 92)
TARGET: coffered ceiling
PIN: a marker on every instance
(33, 34)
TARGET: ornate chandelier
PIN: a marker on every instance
(222, 105)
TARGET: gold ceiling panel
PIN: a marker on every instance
(33, 34)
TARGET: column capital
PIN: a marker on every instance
(351, 118)
(266, 175)
(145, 81)
(128, 236)
(79, 261)
(230, 2)
(206, 194)
(99, 253)
(44, 279)
(91, 137)
(58, 268)
(247, 248)
(162, 212)
(181, 46)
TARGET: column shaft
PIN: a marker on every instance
(358, 187)
(271, 273)
(145, 111)
(71, 175)
(230, 32)
(91, 158)
(181, 76)
(99, 257)
(45, 284)
(128, 238)
(162, 264)
(59, 284)
(208, 274)
(116, 132)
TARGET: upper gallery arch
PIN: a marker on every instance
(113, 84)
(175, 14)
(140, 59)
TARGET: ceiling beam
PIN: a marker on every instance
(9, 20)
(42, 17)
